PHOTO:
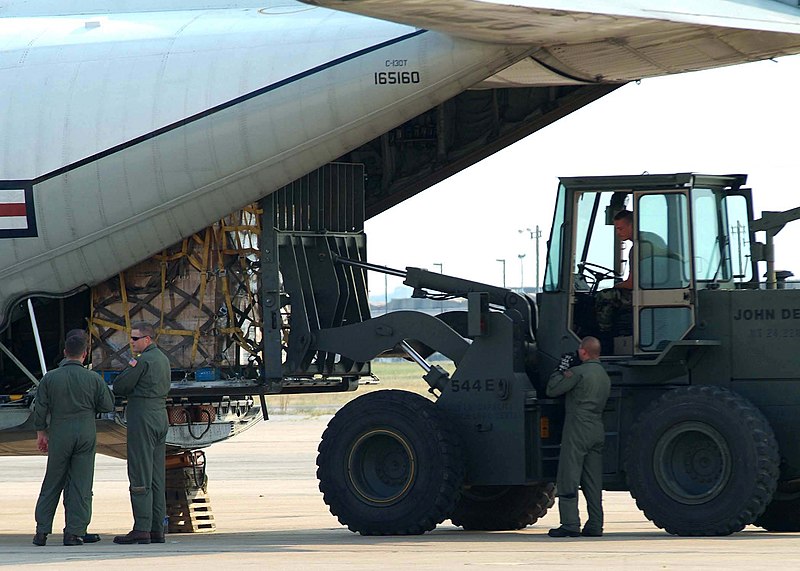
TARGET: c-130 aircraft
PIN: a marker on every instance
(129, 125)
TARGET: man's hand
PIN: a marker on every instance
(567, 360)
(41, 440)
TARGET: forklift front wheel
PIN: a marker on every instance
(389, 464)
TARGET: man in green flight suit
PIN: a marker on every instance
(580, 462)
(145, 382)
(71, 396)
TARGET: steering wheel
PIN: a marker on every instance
(596, 273)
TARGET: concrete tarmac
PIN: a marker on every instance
(269, 514)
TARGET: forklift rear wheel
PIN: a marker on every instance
(702, 460)
(389, 464)
(782, 514)
(502, 508)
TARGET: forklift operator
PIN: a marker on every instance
(615, 302)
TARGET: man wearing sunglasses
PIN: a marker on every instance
(145, 382)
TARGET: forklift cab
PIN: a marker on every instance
(636, 291)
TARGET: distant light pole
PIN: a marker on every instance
(441, 271)
(535, 235)
(739, 230)
(502, 261)
(521, 273)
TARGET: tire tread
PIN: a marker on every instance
(447, 445)
(766, 449)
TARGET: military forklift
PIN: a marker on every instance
(705, 405)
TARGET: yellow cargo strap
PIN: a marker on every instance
(226, 238)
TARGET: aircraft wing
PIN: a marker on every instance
(607, 40)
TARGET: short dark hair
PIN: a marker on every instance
(76, 333)
(144, 328)
(623, 214)
(75, 346)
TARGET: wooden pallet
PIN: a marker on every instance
(192, 526)
(188, 505)
(189, 512)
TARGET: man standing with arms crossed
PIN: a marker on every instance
(145, 382)
(71, 396)
(580, 462)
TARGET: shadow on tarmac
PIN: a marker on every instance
(17, 548)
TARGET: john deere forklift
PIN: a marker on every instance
(702, 421)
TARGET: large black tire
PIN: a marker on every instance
(389, 464)
(502, 508)
(702, 461)
(782, 514)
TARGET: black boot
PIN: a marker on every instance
(70, 539)
(91, 538)
(40, 539)
(591, 533)
(141, 537)
(561, 532)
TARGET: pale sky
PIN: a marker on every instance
(741, 119)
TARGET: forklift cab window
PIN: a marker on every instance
(552, 272)
(594, 259)
(663, 242)
(594, 264)
(664, 267)
(739, 242)
(722, 245)
(711, 253)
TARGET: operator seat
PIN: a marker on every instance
(661, 272)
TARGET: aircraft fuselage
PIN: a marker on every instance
(127, 132)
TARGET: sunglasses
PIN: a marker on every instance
(137, 338)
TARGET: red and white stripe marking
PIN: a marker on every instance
(13, 210)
